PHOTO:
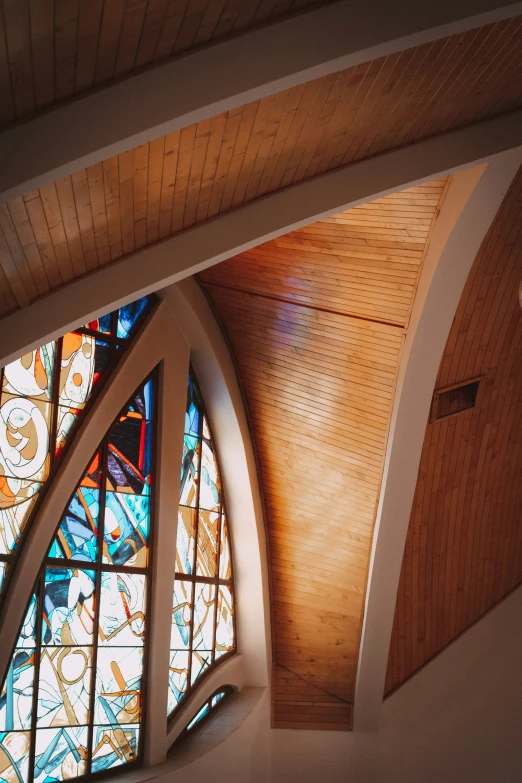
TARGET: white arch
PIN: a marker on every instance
(217, 378)
(466, 215)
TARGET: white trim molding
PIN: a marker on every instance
(222, 76)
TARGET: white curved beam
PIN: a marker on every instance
(222, 76)
(466, 215)
(216, 375)
(167, 262)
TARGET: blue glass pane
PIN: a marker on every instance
(178, 677)
(193, 414)
(129, 314)
(68, 611)
(181, 615)
(60, 753)
(189, 471)
(126, 533)
(201, 714)
(16, 696)
(217, 698)
(102, 324)
(77, 534)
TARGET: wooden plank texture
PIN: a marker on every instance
(175, 182)
(316, 322)
(51, 50)
(464, 546)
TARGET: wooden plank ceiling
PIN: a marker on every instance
(464, 547)
(52, 50)
(80, 223)
(316, 322)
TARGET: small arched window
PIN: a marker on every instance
(204, 713)
(203, 616)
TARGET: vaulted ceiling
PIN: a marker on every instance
(316, 322)
(51, 50)
(463, 552)
(74, 226)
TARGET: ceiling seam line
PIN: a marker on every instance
(308, 307)
(314, 685)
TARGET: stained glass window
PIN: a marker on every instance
(42, 396)
(203, 625)
(71, 703)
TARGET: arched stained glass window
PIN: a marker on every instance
(43, 394)
(71, 702)
(203, 623)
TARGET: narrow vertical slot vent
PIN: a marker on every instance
(454, 399)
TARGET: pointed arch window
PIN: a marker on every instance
(71, 703)
(42, 397)
(203, 629)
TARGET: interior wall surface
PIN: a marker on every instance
(457, 720)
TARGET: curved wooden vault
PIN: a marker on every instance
(316, 322)
(94, 217)
(50, 52)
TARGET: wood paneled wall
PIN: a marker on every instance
(51, 50)
(73, 226)
(464, 545)
(316, 322)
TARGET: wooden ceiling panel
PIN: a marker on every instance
(464, 546)
(52, 50)
(316, 323)
(94, 217)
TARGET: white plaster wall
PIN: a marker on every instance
(458, 720)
